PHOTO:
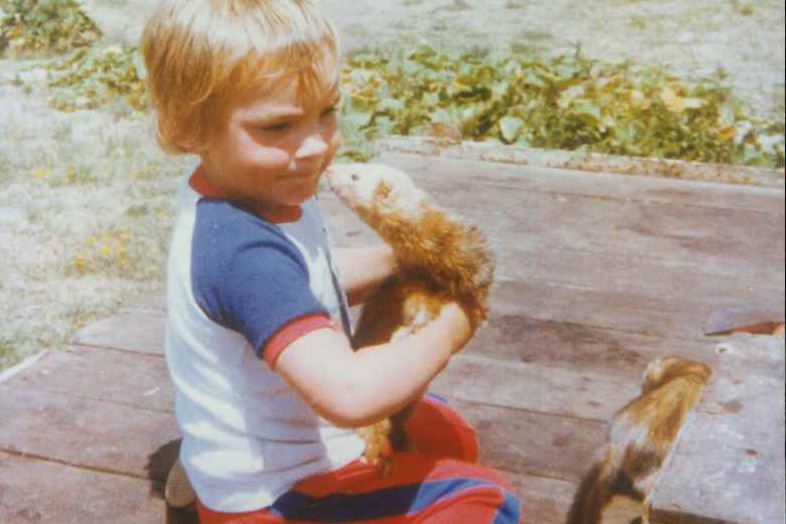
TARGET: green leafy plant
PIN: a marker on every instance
(96, 76)
(566, 102)
(34, 27)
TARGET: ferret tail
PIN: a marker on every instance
(592, 495)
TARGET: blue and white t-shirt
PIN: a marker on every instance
(240, 288)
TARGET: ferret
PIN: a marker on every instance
(441, 258)
(641, 437)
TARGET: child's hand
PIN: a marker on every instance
(456, 324)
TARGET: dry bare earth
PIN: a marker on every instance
(81, 185)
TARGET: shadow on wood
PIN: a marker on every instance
(158, 465)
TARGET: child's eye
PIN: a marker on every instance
(277, 127)
(330, 111)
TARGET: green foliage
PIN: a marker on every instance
(31, 27)
(95, 76)
(566, 102)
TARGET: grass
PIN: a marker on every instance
(85, 215)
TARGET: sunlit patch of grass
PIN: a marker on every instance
(133, 249)
(743, 8)
(75, 185)
(8, 351)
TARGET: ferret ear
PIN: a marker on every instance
(383, 191)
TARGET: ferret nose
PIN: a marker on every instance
(335, 171)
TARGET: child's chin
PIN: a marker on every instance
(299, 196)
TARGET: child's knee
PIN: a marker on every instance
(436, 428)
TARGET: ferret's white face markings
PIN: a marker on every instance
(375, 187)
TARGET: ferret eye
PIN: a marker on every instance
(354, 177)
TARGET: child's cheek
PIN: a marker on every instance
(272, 159)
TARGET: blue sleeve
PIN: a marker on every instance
(246, 275)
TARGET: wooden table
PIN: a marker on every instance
(598, 274)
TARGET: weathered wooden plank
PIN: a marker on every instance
(537, 444)
(544, 500)
(645, 315)
(637, 276)
(85, 433)
(34, 491)
(655, 316)
(597, 225)
(581, 394)
(130, 379)
(576, 346)
(728, 466)
(700, 240)
(540, 179)
(586, 163)
(136, 331)
(661, 296)
(153, 302)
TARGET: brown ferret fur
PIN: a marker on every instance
(440, 259)
(641, 437)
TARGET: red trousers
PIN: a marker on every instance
(440, 484)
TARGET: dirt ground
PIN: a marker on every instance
(48, 220)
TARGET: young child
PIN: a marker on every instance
(268, 389)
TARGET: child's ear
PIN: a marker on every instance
(191, 146)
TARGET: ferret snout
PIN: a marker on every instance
(341, 174)
(343, 179)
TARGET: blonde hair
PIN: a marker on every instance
(203, 54)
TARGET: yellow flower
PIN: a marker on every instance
(92, 239)
(106, 250)
(725, 133)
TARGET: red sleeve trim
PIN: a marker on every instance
(291, 332)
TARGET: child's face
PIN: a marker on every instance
(270, 150)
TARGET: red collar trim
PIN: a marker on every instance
(202, 185)
(284, 215)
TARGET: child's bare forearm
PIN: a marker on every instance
(354, 389)
(363, 269)
(394, 374)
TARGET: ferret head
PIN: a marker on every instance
(376, 191)
(663, 370)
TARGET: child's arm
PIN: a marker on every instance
(354, 389)
(363, 269)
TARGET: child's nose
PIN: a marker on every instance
(313, 145)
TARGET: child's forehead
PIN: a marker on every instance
(288, 95)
